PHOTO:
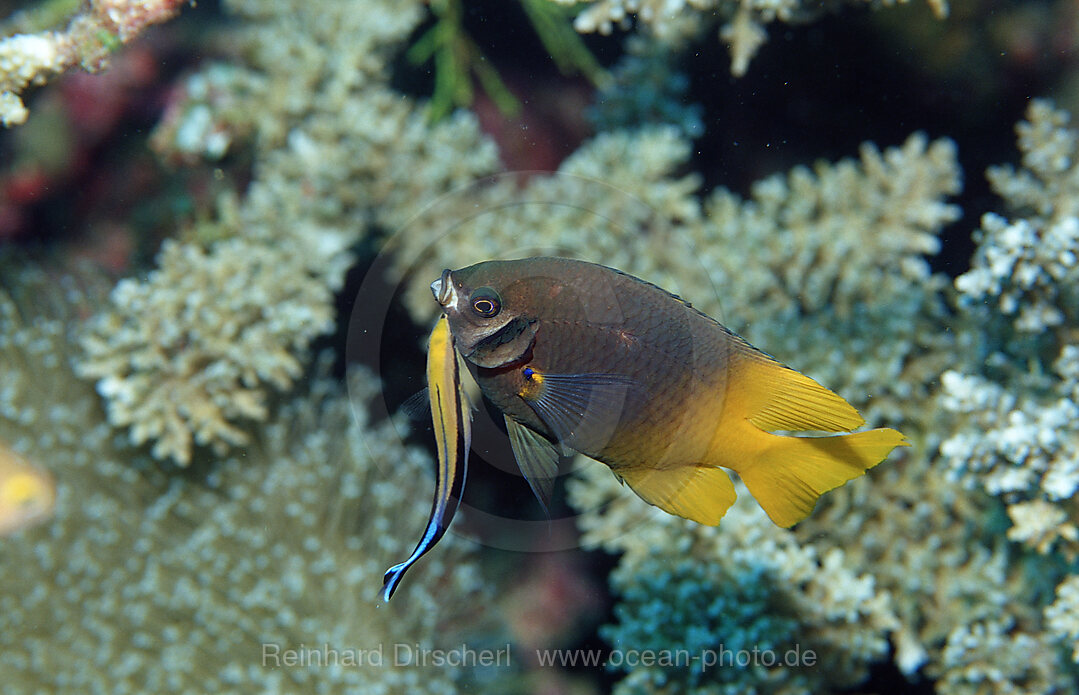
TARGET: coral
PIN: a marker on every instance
(189, 354)
(730, 607)
(645, 89)
(1062, 615)
(89, 38)
(745, 583)
(1014, 431)
(1029, 267)
(183, 355)
(992, 657)
(144, 581)
(837, 250)
(1017, 431)
(744, 20)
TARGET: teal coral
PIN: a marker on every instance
(716, 608)
(149, 582)
(843, 617)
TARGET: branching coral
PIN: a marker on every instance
(834, 251)
(1015, 431)
(744, 20)
(190, 354)
(1018, 432)
(196, 347)
(90, 36)
(681, 581)
(148, 582)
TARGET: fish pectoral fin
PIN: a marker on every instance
(775, 397)
(698, 493)
(417, 406)
(537, 458)
(582, 410)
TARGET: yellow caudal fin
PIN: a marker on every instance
(789, 473)
(697, 493)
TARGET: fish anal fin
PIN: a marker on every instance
(789, 474)
(773, 396)
(698, 493)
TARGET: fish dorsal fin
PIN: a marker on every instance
(538, 459)
(776, 397)
(698, 493)
(582, 410)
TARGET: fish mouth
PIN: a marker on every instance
(443, 289)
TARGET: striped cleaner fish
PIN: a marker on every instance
(451, 417)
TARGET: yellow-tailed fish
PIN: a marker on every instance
(581, 357)
(450, 416)
(27, 494)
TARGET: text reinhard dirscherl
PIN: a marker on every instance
(398, 654)
(404, 655)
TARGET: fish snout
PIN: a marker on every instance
(443, 290)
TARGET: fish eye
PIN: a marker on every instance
(486, 302)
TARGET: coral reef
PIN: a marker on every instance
(146, 581)
(330, 168)
(952, 587)
(820, 242)
(745, 583)
(1017, 428)
(646, 89)
(1016, 411)
(101, 28)
(181, 356)
(744, 20)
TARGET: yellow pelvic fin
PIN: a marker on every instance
(788, 475)
(775, 397)
(698, 493)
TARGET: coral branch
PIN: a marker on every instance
(90, 37)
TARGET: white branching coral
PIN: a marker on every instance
(744, 20)
(1029, 267)
(103, 25)
(1015, 414)
(1022, 448)
(1062, 615)
(146, 581)
(1017, 433)
(185, 355)
(991, 656)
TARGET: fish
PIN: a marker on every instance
(451, 419)
(583, 358)
(27, 494)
